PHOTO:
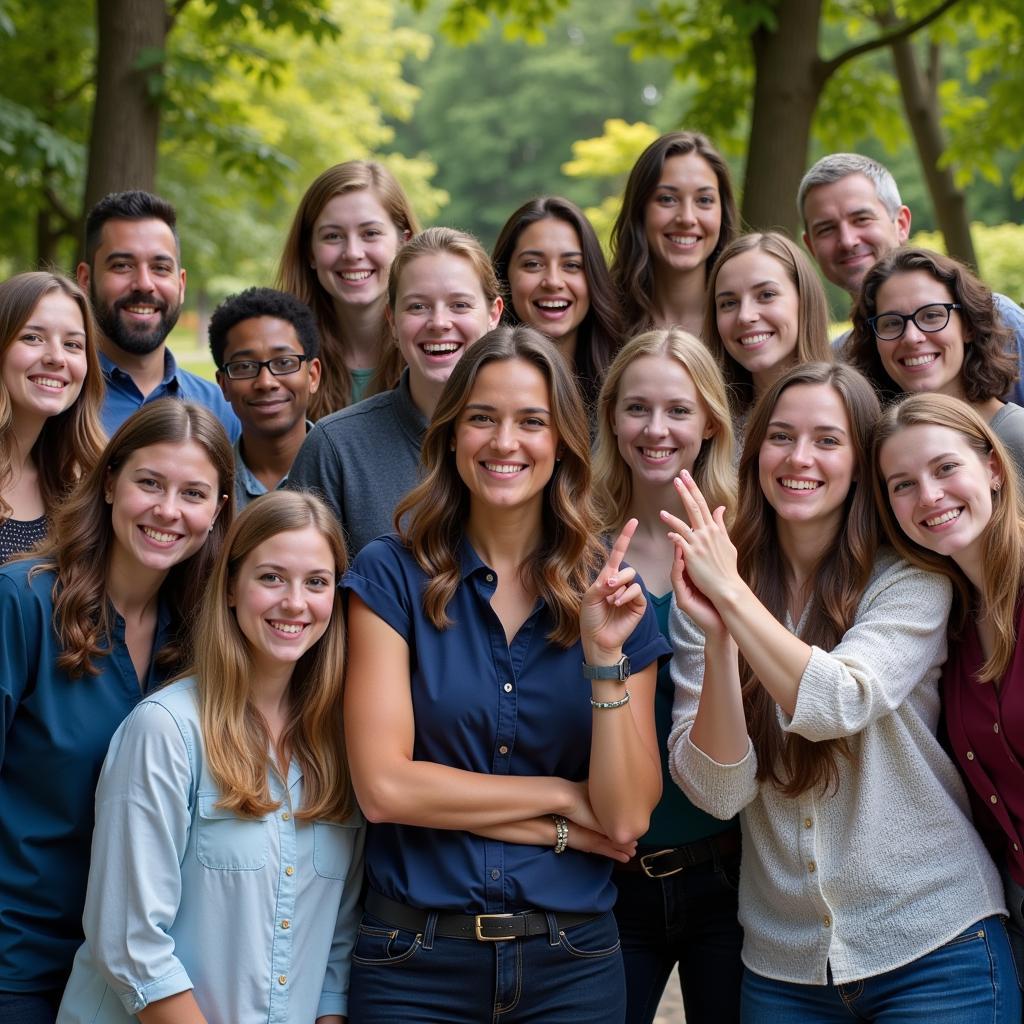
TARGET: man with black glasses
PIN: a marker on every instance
(266, 348)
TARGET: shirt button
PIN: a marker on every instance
(808, 823)
(995, 727)
(289, 871)
(811, 866)
(994, 798)
(286, 816)
(489, 577)
(507, 687)
(286, 923)
(495, 874)
(970, 755)
(503, 749)
(827, 921)
(282, 979)
(1016, 848)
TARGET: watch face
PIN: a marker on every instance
(624, 667)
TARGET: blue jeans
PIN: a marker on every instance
(404, 977)
(687, 919)
(968, 980)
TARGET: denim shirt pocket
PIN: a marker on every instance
(226, 842)
(333, 843)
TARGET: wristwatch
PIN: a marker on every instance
(619, 671)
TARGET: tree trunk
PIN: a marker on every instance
(789, 77)
(921, 103)
(126, 117)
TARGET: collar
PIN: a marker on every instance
(245, 475)
(111, 371)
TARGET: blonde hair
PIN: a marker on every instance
(235, 734)
(1002, 552)
(713, 468)
(296, 276)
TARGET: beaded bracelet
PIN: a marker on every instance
(605, 704)
(561, 832)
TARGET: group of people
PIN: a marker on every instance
(501, 633)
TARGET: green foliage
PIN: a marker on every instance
(466, 21)
(1000, 252)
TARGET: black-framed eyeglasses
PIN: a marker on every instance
(247, 369)
(930, 318)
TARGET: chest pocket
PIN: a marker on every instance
(332, 848)
(225, 842)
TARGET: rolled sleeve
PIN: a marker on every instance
(142, 827)
(379, 578)
(901, 620)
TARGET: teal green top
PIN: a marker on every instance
(360, 381)
(675, 820)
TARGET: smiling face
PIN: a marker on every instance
(659, 420)
(268, 406)
(164, 500)
(758, 312)
(44, 366)
(354, 244)
(440, 310)
(505, 440)
(135, 283)
(919, 361)
(283, 595)
(807, 460)
(547, 281)
(683, 215)
(940, 490)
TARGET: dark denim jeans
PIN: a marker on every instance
(404, 977)
(687, 919)
(968, 980)
(29, 1007)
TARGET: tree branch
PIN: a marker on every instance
(73, 92)
(58, 207)
(894, 35)
(172, 15)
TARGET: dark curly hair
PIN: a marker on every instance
(990, 368)
(256, 302)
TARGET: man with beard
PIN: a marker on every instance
(132, 272)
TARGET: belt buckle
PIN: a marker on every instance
(649, 871)
(490, 938)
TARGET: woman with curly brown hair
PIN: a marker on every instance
(924, 322)
(495, 746)
(99, 618)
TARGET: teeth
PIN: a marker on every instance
(919, 360)
(355, 275)
(553, 303)
(48, 382)
(143, 310)
(441, 348)
(686, 241)
(953, 513)
(756, 339)
(800, 485)
(157, 535)
(293, 628)
(658, 453)
(502, 467)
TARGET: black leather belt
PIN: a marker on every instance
(662, 863)
(482, 927)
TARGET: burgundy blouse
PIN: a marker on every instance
(986, 730)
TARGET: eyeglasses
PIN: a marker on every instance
(247, 369)
(930, 318)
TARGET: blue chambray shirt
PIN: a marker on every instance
(484, 705)
(54, 732)
(123, 396)
(258, 916)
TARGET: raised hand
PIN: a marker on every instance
(612, 606)
(689, 598)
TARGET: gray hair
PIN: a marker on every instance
(836, 166)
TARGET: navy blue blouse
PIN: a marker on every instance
(54, 733)
(483, 705)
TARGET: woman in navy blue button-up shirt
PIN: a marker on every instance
(469, 721)
(84, 633)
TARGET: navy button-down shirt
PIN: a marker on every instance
(484, 705)
(54, 733)
(123, 396)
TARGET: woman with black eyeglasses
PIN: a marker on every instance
(925, 323)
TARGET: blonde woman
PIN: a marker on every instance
(663, 409)
(226, 861)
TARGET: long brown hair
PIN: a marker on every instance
(235, 734)
(70, 442)
(631, 269)
(812, 344)
(713, 469)
(81, 539)
(1002, 551)
(568, 553)
(795, 764)
(297, 276)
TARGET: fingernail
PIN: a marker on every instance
(685, 475)
(613, 581)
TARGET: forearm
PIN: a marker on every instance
(720, 727)
(177, 1009)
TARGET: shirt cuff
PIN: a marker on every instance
(169, 985)
(332, 1002)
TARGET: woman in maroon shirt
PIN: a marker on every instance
(947, 493)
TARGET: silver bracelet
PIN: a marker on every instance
(605, 704)
(561, 832)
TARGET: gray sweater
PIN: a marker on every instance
(886, 868)
(362, 460)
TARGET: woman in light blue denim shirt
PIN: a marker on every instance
(227, 856)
